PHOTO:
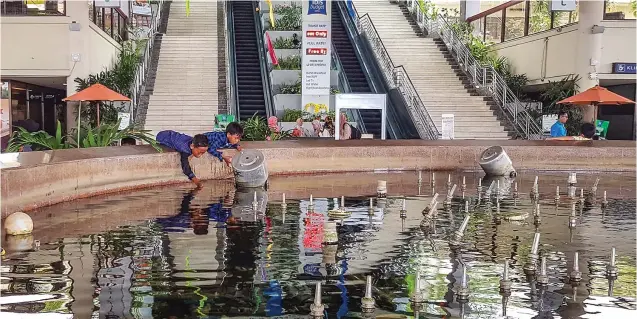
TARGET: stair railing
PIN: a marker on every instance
(263, 61)
(483, 76)
(232, 80)
(139, 81)
(397, 77)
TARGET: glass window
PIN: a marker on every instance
(108, 21)
(619, 10)
(478, 28)
(540, 16)
(514, 21)
(33, 7)
(18, 101)
(494, 27)
(562, 18)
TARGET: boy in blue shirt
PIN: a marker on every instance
(186, 146)
(558, 129)
(225, 140)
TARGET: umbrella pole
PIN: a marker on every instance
(79, 116)
(99, 104)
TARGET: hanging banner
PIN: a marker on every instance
(273, 57)
(271, 10)
(316, 54)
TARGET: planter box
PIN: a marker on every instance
(280, 77)
(286, 126)
(284, 53)
(263, 5)
(284, 102)
(282, 34)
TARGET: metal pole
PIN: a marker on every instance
(79, 113)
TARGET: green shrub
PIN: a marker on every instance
(292, 62)
(286, 43)
(290, 19)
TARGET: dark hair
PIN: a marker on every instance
(200, 140)
(562, 113)
(234, 128)
(129, 141)
(588, 130)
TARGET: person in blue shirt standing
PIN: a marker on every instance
(224, 140)
(186, 146)
(558, 129)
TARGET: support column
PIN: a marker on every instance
(469, 8)
(589, 48)
(78, 44)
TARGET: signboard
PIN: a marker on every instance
(361, 102)
(448, 123)
(107, 3)
(601, 128)
(624, 68)
(124, 119)
(547, 122)
(316, 54)
(563, 5)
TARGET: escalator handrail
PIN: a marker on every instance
(232, 65)
(263, 62)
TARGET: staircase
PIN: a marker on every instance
(185, 95)
(353, 70)
(248, 71)
(433, 74)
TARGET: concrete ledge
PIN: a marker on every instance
(45, 178)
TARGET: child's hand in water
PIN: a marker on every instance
(227, 159)
(197, 182)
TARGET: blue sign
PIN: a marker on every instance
(317, 7)
(624, 68)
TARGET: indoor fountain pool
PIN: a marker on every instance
(174, 252)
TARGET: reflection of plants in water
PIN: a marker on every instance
(625, 284)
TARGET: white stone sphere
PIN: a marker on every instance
(18, 223)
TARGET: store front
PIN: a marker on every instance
(621, 118)
(32, 107)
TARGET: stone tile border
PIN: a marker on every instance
(50, 177)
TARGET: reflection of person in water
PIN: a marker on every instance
(197, 218)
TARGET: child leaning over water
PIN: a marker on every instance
(225, 140)
(186, 146)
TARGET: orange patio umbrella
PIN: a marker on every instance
(595, 96)
(95, 92)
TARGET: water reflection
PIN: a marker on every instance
(179, 253)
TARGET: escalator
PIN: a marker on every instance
(353, 71)
(359, 63)
(250, 89)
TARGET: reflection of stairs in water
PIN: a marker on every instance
(198, 258)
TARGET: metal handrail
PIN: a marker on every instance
(397, 77)
(232, 80)
(263, 62)
(137, 87)
(483, 76)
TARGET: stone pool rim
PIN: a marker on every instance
(50, 177)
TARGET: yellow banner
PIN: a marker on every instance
(271, 13)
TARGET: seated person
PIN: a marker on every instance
(224, 140)
(587, 133)
(186, 146)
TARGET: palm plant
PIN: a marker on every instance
(39, 140)
(109, 134)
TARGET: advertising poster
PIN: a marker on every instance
(316, 55)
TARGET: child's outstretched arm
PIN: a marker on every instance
(185, 167)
